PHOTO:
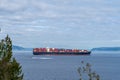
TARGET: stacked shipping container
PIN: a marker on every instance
(51, 51)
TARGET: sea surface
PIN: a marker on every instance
(106, 64)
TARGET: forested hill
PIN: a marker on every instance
(106, 49)
(19, 48)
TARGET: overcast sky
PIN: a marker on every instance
(61, 23)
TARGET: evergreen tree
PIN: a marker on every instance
(10, 69)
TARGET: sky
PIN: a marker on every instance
(61, 23)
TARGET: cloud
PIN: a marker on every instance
(38, 9)
(60, 21)
(12, 5)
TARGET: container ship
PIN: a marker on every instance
(57, 51)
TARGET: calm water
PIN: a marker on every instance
(65, 67)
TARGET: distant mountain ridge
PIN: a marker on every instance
(106, 49)
(19, 48)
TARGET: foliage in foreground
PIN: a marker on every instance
(10, 69)
(86, 72)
